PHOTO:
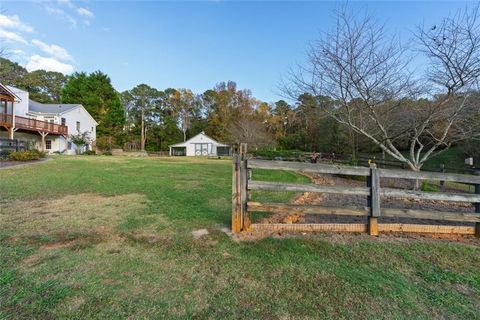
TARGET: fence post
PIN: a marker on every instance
(442, 169)
(373, 182)
(244, 187)
(236, 208)
(477, 206)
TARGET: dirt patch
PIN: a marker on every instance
(197, 234)
(63, 220)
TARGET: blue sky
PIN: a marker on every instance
(185, 44)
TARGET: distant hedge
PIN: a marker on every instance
(26, 155)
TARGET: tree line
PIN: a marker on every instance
(154, 118)
(358, 91)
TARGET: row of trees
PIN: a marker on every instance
(357, 91)
(151, 118)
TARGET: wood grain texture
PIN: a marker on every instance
(354, 227)
(421, 228)
(413, 194)
(306, 209)
(338, 227)
(308, 167)
(430, 215)
(275, 186)
(423, 175)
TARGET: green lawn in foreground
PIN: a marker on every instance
(110, 238)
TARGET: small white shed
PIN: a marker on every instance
(200, 145)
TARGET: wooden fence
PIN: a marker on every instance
(242, 205)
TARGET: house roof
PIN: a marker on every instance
(184, 144)
(35, 106)
(55, 108)
(9, 92)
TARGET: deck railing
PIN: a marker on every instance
(6, 119)
(38, 125)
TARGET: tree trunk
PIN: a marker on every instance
(142, 137)
(416, 182)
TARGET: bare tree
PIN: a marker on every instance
(251, 131)
(367, 72)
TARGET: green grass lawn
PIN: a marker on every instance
(110, 238)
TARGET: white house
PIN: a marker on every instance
(200, 145)
(48, 126)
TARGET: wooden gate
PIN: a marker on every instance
(242, 206)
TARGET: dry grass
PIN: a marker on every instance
(111, 238)
(83, 213)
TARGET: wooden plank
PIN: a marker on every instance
(413, 194)
(374, 191)
(353, 211)
(236, 210)
(421, 228)
(423, 175)
(292, 208)
(308, 167)
(477, 207)
(373, 226)
(431, 215)
(356, 227)
(275, 186)
(313, 227)
(245, 220)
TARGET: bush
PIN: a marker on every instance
(40, 154)
(107, 153)
(89, 153)
(26, 155)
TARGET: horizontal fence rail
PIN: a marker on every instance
(308, 167)
(242, 205)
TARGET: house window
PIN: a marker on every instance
(51, 120)
(92, 130)
(69, 145)
(64, 121)
(78, 126)
(48, 144)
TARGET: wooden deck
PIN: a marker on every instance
(27, 124)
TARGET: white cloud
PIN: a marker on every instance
(37, 62)
(14, 22)
(56, 11)
(85, 12)
(12, 37)
(66, 2)
(63, 15)
(54, 50)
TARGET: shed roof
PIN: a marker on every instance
(184, 144)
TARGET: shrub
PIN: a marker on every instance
(40, 154)
(89, 153)
(107, 153)
(26, 155)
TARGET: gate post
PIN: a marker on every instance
(244, 187)
(477, 206)
(236, 209)
(240, 216)
(373, 182)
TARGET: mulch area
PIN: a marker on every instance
(338, 200)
